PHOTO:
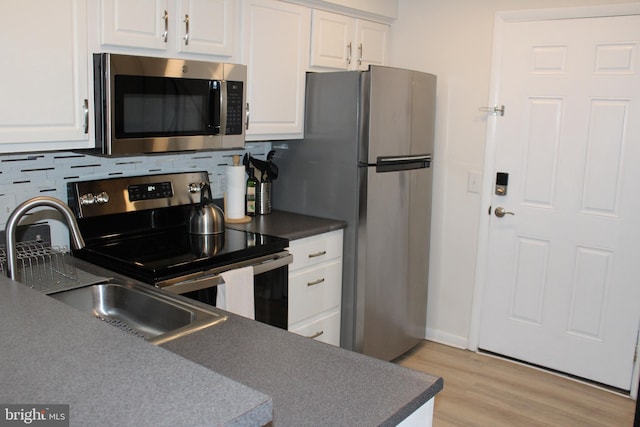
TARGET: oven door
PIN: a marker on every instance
(270, 283)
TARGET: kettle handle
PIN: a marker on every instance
(205, 195)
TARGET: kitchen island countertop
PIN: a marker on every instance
(310, 382)
(54, 354)
(244, 373)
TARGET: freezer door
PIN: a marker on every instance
(401, 111)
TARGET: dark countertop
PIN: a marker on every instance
(289, 225)
(310, 382)
(240, 372)
(54, 354)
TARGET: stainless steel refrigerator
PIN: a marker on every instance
(367, 159)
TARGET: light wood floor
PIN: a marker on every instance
(481, 390)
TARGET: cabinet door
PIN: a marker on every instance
(206, 26)
(275, 49)
(44, 75)
(332, 40)
(136, 23)
(373, 39)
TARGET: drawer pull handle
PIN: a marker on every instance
(316, 335)
(317, 254)
(315, 282)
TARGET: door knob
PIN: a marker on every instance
(500, 212)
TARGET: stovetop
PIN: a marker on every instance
(137, 226)
(159, 255)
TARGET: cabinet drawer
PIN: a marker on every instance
(315, 249)
(325, 329)
(314, 291)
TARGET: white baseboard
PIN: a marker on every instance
(447, 339)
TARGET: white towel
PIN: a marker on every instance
(236, 295)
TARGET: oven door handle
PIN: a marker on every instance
(213, 277)
(273, 264)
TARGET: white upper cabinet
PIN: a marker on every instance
(207, 26)
(170, 28)
(345, 43)
(275, 49)
(44, 83)
(372, 40)
(137, 23)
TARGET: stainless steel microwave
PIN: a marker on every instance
(159, 105)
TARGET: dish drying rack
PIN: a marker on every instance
(41, 266)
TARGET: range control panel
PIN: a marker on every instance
(156, 190)
(127, 194)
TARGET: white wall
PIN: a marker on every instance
(453, 39)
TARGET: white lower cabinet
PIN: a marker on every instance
(315, 287)
(326, 329)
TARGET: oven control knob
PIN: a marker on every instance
(87, 199)
(194, 187)
(102, 198)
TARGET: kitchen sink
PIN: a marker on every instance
(140, 310)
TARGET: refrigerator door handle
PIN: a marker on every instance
(400, 163)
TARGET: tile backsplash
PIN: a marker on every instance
(23, 176)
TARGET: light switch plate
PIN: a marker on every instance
(473, 182)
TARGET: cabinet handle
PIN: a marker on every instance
(349, 53)
(360, 51)
(85, 111)
(166, 26)
(316, 335)
(186, 26)
(315, 282)
(317, 254)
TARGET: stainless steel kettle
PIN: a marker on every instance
(207, 218)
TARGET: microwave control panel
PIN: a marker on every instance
(235, 108)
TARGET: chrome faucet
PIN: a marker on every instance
(12, 223)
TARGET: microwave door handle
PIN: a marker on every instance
(248, 117)
(218, 108)
(85, 112)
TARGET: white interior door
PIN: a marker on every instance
(562, 285)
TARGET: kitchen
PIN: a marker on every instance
(460, 142)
